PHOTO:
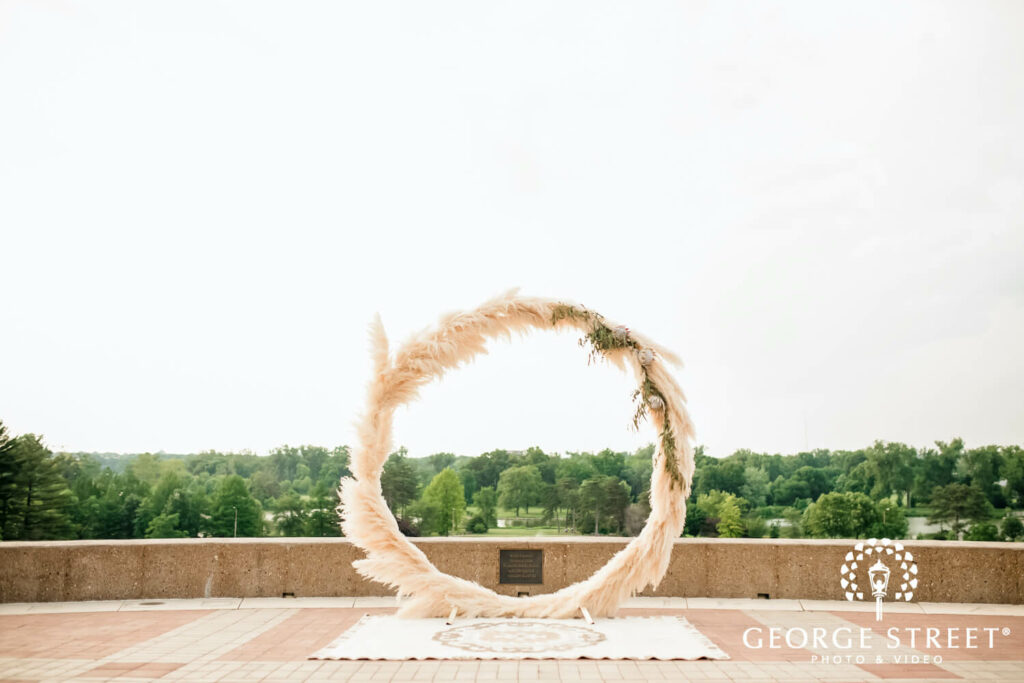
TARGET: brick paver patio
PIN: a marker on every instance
(270, 640)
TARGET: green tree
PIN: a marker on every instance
(233, 495)
(189, 505)
(441, 461)
(936, 467)
(291, 515)
(756, 486)
(817, 479)
(610, 463)
(488, 467)
(264, 486)
(81, 474)
(146, 467)
(156, 502)
(953, 504)
(551, 502)
(720, 475)
(486, 502)
(637, 471)
(695, 519)
(335, 467)
(519, 487)
(616, 502)
(891, 522)
(841, 515)
(890, 464)
(427, 515)
(756, 527)
(398, 481)
(8, 488)
(119, 506)
(39, 506)
(445, 491)
(568, 496)
(730, 523)
(789, 491)
(323, 517)
(724, 510)
(980, 468)
(592, 494)
(794, 523)
(165, 526)
(578, 466)
(284, 462)
(1013, 473)
(468, 479)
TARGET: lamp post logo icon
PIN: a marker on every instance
(879, 573)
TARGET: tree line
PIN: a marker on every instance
(971, 493)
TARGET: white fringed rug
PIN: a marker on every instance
(389, 637)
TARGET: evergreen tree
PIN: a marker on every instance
(323, 517)
(119, 505)
(398, 482)
(232, 495)
(8, 488)
(82, 474)
(40, 500)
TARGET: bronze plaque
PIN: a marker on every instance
(521, 566)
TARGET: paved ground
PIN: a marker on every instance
(270, 639)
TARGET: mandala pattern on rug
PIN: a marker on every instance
(519, 636)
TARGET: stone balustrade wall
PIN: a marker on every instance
(306, 567)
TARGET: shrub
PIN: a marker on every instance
(983, 531)
(756, 527)
(408, 527)
(476, 525)
(1012, 527)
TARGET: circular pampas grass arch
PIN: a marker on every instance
(395, 561)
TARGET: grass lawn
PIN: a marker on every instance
(523, 531)
(536, 512)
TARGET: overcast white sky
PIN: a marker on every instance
(820, 206)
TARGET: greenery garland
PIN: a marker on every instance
(603, 340)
